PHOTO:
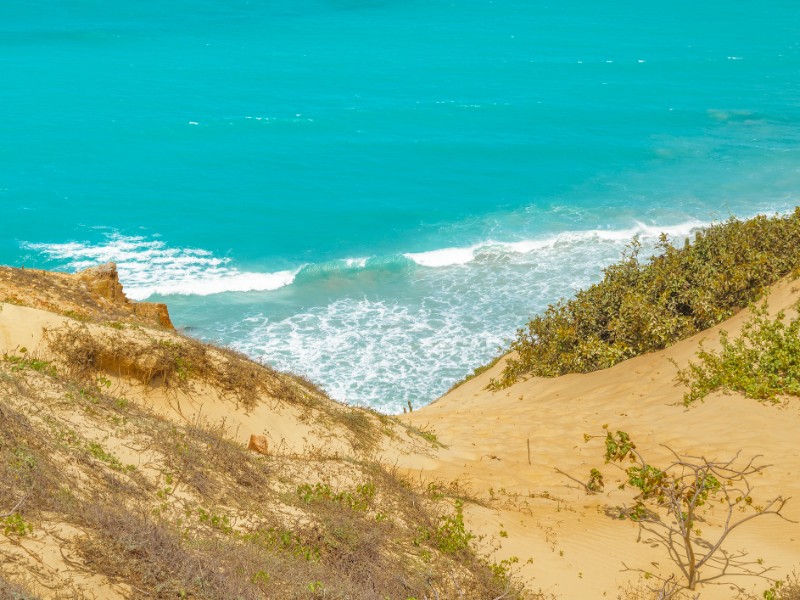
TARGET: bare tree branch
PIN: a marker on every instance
(576, 480)
(16, 506)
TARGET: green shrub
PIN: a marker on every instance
(14, 524)
(762, 362)
(640, 306)
(451, 535)
(359, 500)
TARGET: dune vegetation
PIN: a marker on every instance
(646, 305)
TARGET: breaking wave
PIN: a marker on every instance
(150, 267)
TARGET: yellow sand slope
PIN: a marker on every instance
(576, 546)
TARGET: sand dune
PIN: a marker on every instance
(577, 549)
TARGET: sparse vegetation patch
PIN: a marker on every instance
(684, 489)
(203, 518)
(762, 362)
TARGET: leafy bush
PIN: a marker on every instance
(451, 534)
(762, 362)
(640, 306)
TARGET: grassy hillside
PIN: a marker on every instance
(113, 488)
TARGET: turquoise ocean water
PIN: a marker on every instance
(377, 194)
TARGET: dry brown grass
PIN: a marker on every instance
(155, 359)
(14, 591)
(59, 293)
(196, 515)
(151, 555)
(173, 362)
(784, 589)
(28, 465)
(203, 518)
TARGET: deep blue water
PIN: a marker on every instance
(377, 194)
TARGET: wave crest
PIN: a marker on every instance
(150, 267)
(448, 257)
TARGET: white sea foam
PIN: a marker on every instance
(444, 257)
(206, 285)
(149, 267)
(447, 257)
(387, 351)
(358, 263)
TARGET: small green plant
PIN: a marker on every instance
(502, 571)
(426, 434)
(217, 521)
(284, 540)
(429, 436)
(786, 589)
(101, 454)
(762, 362)
(23, 459)
(317, 589)
(165, 492)
(435, 490)
(773, 592)
(182, 368)
(15, 525)
(618, 446)
(595, 483)
(359, 500)
(260, 578)
(20, 363)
